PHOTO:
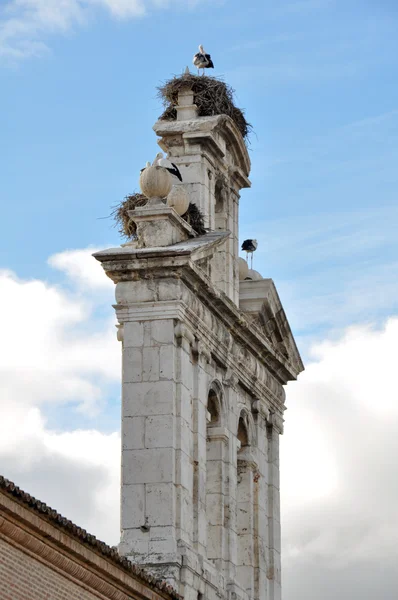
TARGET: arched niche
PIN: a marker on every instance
(216, 452)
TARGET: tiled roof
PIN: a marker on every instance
(86, 538)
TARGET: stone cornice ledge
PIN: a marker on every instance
(127, 266)
(71, 559)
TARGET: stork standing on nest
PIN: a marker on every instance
(249, 246)
(160, 161)
(201, 60)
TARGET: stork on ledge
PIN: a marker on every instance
(160, 161)
(201, 60)
(249, 246)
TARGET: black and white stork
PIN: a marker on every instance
(160, 161)
(201, 60)
(249, 246)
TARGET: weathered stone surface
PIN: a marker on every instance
(205, 358)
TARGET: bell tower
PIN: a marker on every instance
(205, 357)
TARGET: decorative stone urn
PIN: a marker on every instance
(178, 199)
(243, 268)
(155, 184)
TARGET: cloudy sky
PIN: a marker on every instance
(319, 82)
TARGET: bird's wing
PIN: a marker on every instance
(178, 174)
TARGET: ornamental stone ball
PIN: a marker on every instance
(178, 199)
(243, 268)
(155, 182)
(253, 275)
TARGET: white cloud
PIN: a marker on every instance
(24, 23)
(339, 458)
(339, 453)
(80, 266)
(52, 349)
(55, 352)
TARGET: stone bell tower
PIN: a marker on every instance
(205, 358)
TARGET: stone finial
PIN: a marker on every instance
(178, 199)
(155, 184)
(243, 268)
(186, 108)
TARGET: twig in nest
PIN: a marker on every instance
(126, 227)
(212, 96)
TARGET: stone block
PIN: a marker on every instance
(185, 408)
(128, 292)
(150, 364)
(133, 334)
(214, 541)
(162, 532)
(167, 362)
(184, 470)
(162, 331)
(162, 547)
(214, 476)
(244, 517)
(148, 398)
(184, 439)
(245, 578)
(167, 290)
(159, 431)
(215, 509)
(133, 433)
(133, 506)
(160, 504)
(132, 365)
(152, 465)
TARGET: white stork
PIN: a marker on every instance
(148, 164)
(160, 161)
(201, 60)
(249, 246)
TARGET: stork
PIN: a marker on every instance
(249, 246)
(148, 164)
(160, 161)
(201, 60)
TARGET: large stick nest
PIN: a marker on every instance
(127, 228)
(212, 96)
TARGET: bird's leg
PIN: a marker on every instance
(251, 260)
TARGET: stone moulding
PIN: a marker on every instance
(205, 130)
(122, 266)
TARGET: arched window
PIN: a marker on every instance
(215, 476)
(213, 408)
(243, 436)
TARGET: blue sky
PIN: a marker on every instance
(319, 82)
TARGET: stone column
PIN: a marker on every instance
(149, 443)
(274, 519)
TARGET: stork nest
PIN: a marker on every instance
(127, 228)
(212, 96)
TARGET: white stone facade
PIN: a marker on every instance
(202, 386)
